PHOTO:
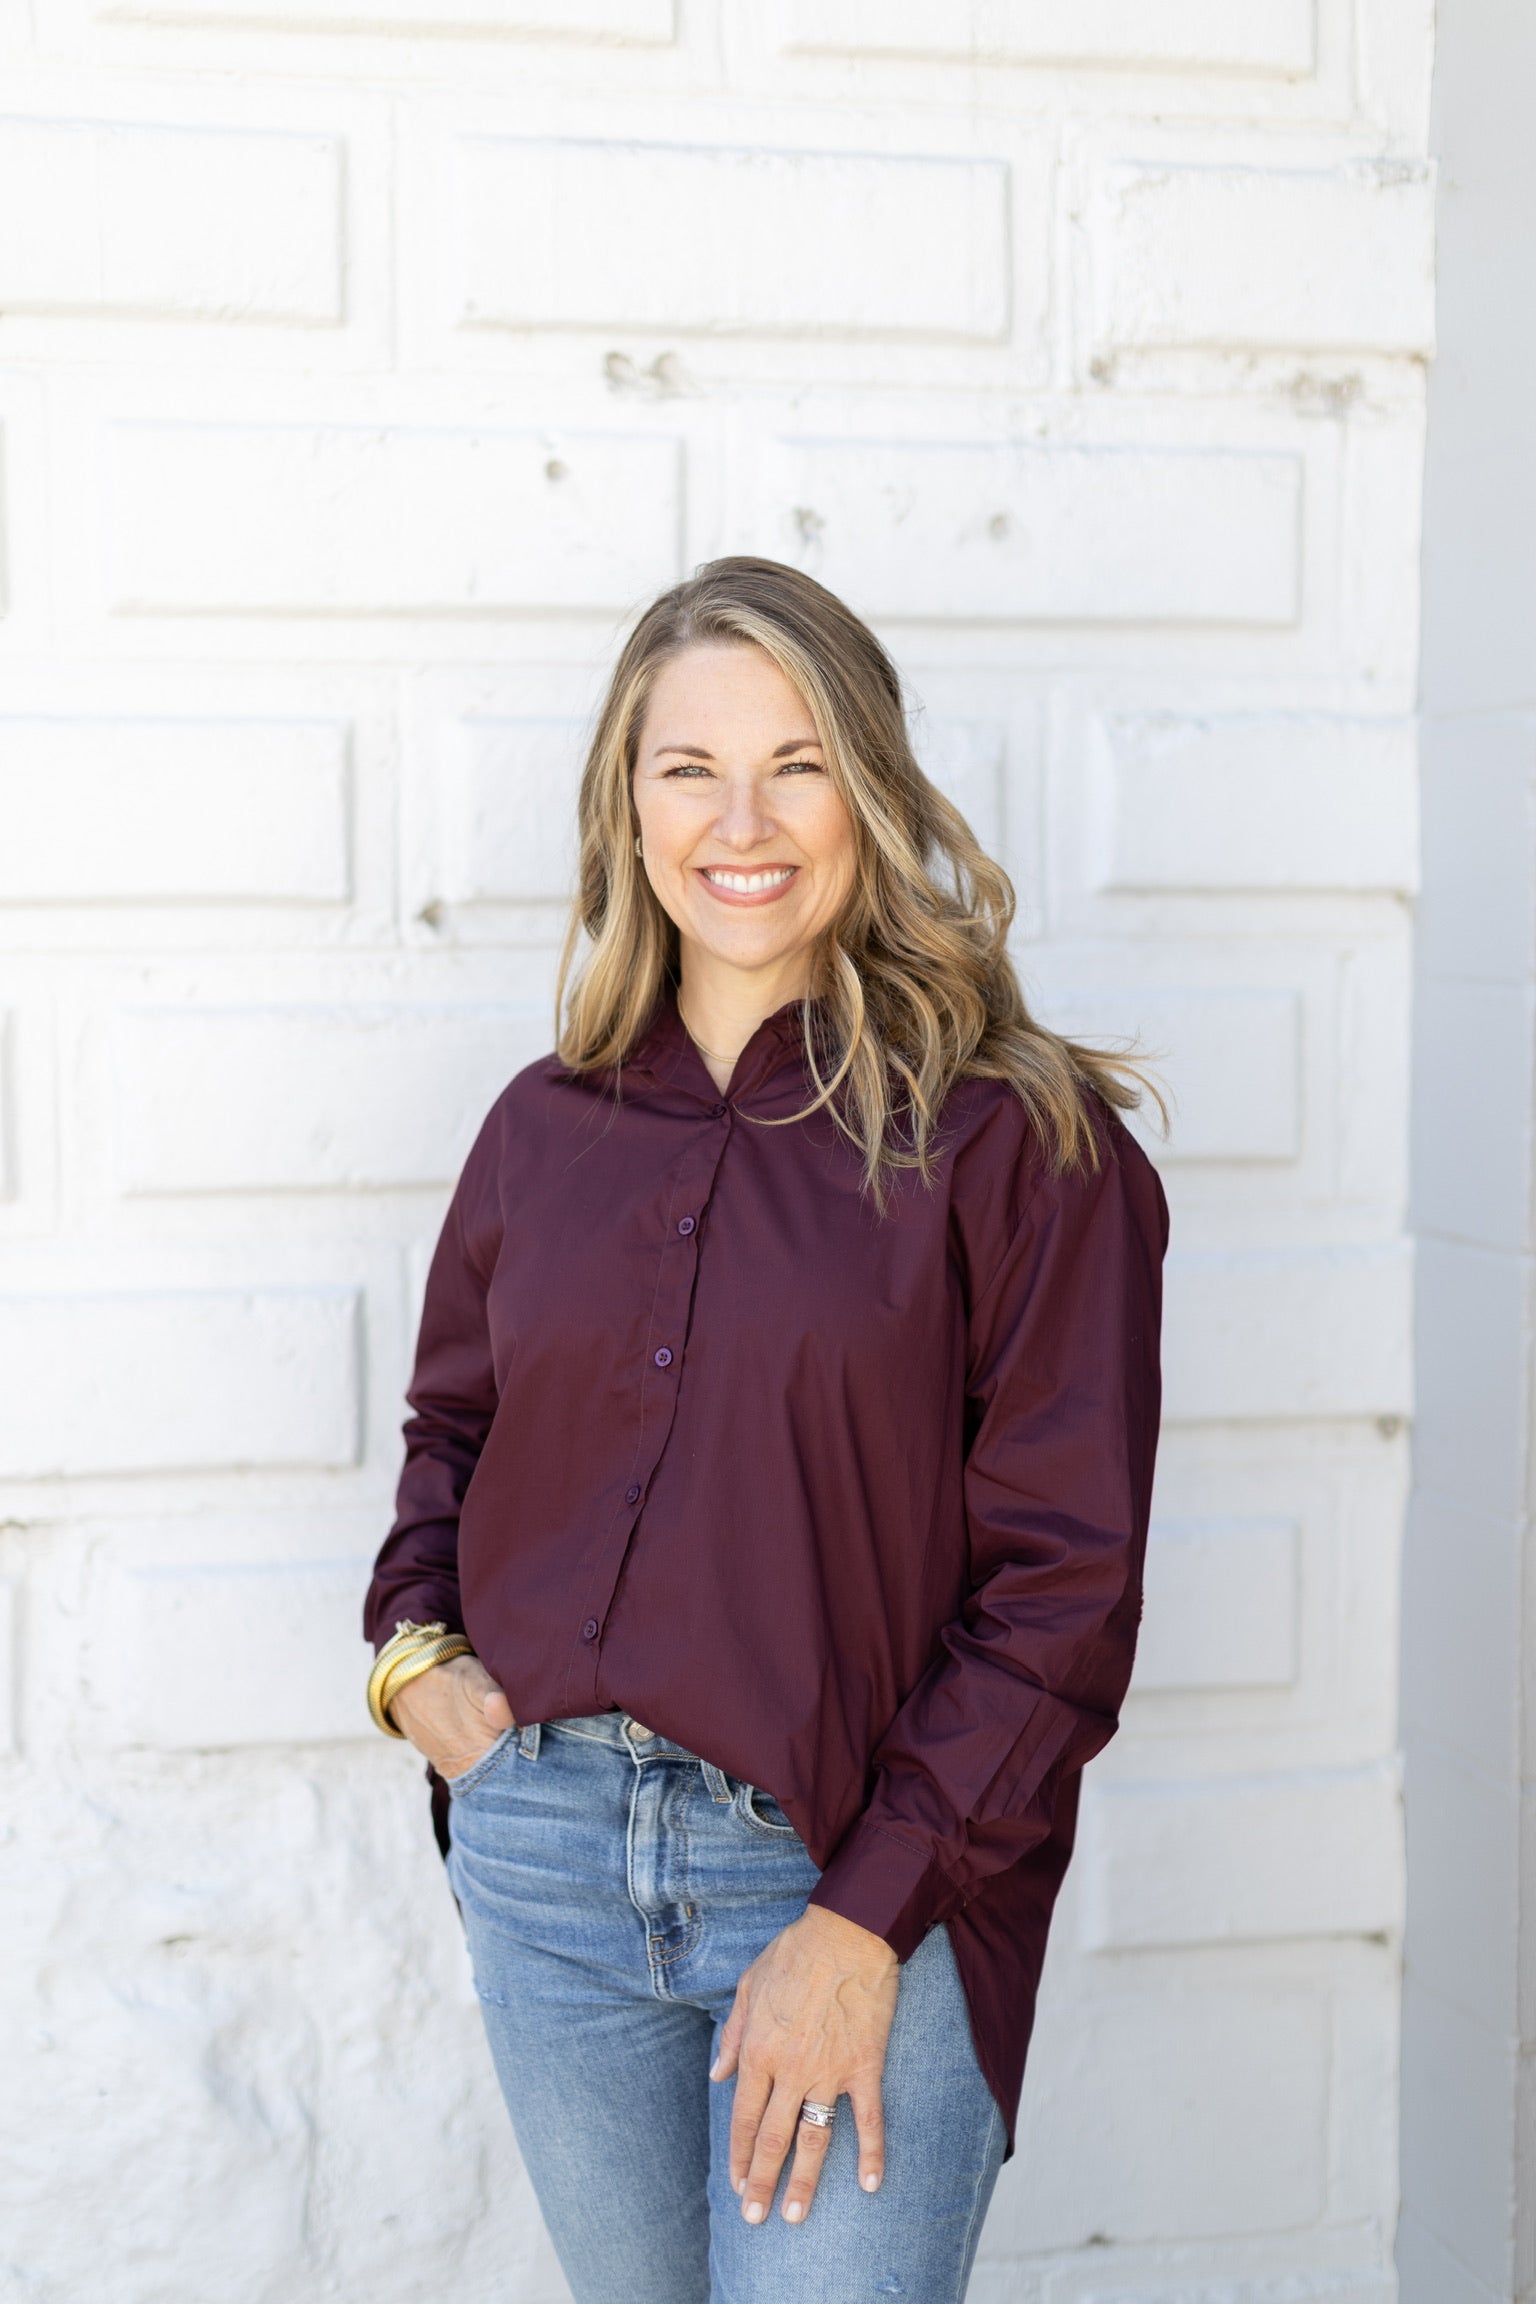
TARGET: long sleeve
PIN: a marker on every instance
(452, 1396)
(1026, 1685)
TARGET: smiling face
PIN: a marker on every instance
(747, 842)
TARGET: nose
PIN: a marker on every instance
(743, 820)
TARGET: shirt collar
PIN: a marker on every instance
(666, 1051)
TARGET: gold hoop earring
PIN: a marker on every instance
(639, 851)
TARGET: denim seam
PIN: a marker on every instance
(689, 1945)
(695, 1924)
(759, 1824)
(585, 1735)
(971, 2235)
(657, 1962)
(629, 1852)
(472, 1778)
(690, 1941)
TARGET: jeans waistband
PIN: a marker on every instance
(622, 1732)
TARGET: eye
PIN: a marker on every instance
(792, 767)
(688, 768)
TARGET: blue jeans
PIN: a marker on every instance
(613, 1888)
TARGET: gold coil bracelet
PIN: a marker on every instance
(413, 1649)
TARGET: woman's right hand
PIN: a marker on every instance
(452, 1714)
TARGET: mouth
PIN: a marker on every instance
(762, 886)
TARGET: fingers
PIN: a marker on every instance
(774, 2133)
(812, 2144)
(869, 2119)
(754, 2087)
(450, 1713)
(809, 2022)
(767, 2122)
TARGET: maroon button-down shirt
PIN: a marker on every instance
(853, 1505)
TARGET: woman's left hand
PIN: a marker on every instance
(811, 2019)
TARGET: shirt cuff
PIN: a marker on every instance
(887, 1886)
(422, 1604)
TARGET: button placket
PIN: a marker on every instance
(661, 1367)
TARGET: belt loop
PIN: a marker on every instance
(719, 1788)
(528, 1742)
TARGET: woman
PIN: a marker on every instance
(768, 1554)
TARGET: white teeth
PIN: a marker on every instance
(748, 883)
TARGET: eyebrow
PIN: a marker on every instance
(697, 751)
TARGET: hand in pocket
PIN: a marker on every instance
(452, 1714)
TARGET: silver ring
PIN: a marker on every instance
(818, 2115)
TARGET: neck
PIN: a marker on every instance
(722, 1007)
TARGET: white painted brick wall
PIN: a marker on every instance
(363, 363)
(1221, 1606)
(7, 1161)
(1257, 800)
(9, 1630)
(196, 1110)
(1264, 36)
(184, 1654)
(95, 215)
(506, 805)
(1288, 1332)
(1321, 259)
(231, 520)
(100, 809)
(746, 242)
(642, 20)
(1216, 1863)
(1230, 1060)
(142, 1381)
(1070, 535)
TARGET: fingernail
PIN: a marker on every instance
(738, 2184)
(871, 2182)
(754, 2212)
(793, 2212)
(714, 2070)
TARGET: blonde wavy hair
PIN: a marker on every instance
(912, 989)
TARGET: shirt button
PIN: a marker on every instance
(664, 1358)
(589, 1629)
(685, 1225)
(632, 1495)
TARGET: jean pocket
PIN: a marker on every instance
(762, 1813)
(490, 1758)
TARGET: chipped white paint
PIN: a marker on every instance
(374, 359)
(341, 519)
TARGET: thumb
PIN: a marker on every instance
(479, 1691)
